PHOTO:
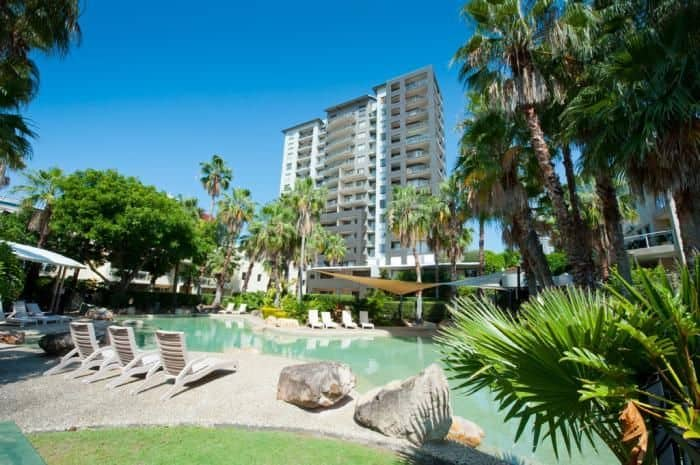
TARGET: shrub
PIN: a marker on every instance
(273, 311)
(11, 274)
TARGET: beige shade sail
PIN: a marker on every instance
(388, 285)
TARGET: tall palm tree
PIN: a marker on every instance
(277, 234)
(41, 191)
(235, 209)
(307, 201)
(253, 247)
(49, 27)
(216, 178)
(501, 61)
(409, 220)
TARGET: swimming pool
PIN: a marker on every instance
(374, 360)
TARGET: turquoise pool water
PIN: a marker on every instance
(375, 361)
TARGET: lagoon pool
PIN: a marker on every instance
(375, 361)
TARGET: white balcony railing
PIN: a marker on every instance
(645, 241)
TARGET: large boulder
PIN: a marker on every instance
(287, 323)
(465, 432)
(417, 409)
(99, 314)
(56, 344)
(315, 385)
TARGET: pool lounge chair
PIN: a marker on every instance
(11, 320)
(241, 309)
(327, 320)
(364, 321)
(19, 310)
(313, 320)
(35, 312)
(179, 366)
(87, 351)
(228, 309)
(347, 320)
(128, 359)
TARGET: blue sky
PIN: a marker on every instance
(156, 87)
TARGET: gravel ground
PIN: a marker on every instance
(246, 398)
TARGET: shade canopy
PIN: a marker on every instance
(389, 285)
(28, 253)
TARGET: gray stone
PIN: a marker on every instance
(315, 385)
(56, 344)
(417, 409)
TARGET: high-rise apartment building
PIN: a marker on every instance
(364, 148)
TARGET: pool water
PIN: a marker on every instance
(375, 361)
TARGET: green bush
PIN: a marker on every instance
(11, 274)
(273, 311)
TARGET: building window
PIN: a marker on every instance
(259, 277)
(243, 276)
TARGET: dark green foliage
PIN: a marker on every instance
(13, 227)
(558, 263)
(11, 274)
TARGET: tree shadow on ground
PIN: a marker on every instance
(19, 364)
(448, 453)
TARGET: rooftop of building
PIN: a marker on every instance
(356, 100)
(305, 123)
(426, 68)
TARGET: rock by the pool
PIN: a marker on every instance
(12, 337)
(99, 314)
(287, 323)
(417, 409)
(56, 344)
(271, 320)
(315, 385)
(465, 432)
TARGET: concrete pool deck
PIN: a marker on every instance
(246, 398)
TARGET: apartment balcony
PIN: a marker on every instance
(652, 247)
(339, 120)
(354, 189)
(416, 115)
(415, 127)
(418, 140)
(417, 156)
(417, 84)
(354, 175)
(331, 193)
(329, 219)
(418, 183)
(345, 153)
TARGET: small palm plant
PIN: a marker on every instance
(574, 362)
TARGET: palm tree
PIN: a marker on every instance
(235, 209)
(253, 248)
(409, 220)
(277, 235)
(500, 61)
(41, 191)
(216, 178)
(334, 248)
(494, 166)
(307, 201)
(27, 27)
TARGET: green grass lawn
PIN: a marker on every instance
(194, 445)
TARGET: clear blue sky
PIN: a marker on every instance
(156, 87)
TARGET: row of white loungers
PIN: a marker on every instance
(327, 322)
(30, 313)
(232, 310)
(122, 355)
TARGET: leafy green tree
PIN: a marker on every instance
(11, 275)
(216, 178)
(104, 216)
(27, 26)
(334, 248)
(13, 227)
(41, 191)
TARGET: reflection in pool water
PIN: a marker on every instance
(374, 360)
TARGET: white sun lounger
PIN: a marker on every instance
(87, 351)
(327, 320)
(12, 320)
(347, 320)
(19, 311)
(128, 359)
(313, 319)
(241, 309)
(228, 309)
(364, 321)
(36, 312)
(177, 365)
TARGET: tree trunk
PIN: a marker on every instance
(530, 245)
(688, 211)
(482, 242)
(437, 276)
(571, 183)
(176, 271)
(302, 261)
(44, 227)
(244, 288)
(576, 239)
(4, 180)
(607, 194)
(453, 275)
(218, 296)
(419, 294)
(213, 204)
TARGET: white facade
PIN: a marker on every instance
(362, 150)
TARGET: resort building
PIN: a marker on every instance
(655, 237)
(359, 152)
